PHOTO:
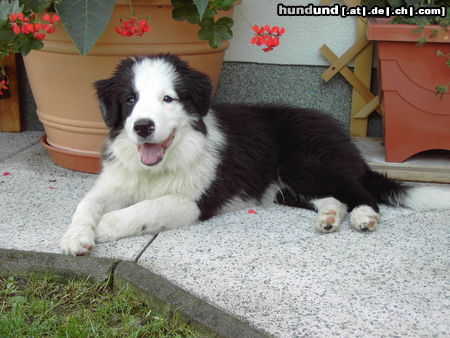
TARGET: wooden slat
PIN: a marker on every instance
(9, 108)
(368, 109)
(348, 74)
(351, 53)
(363, 71)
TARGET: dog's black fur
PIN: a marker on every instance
(306, 150)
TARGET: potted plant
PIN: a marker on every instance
(61, 79)
(414, 75)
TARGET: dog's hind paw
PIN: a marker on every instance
(78, 240)
(328, 221)
(364, 218)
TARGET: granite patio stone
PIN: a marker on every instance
(275, 271)
(241, 274)
(38, 199)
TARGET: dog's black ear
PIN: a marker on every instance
(108, 101)
(200, 90)
(194, 87)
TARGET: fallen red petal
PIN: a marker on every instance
(252, 211)
(6, 173)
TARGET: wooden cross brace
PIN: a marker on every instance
(363, 101)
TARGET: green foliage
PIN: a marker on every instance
(202, 12)
(201, 6)
(36, 5)
(7, 7)
(43, 305)
(10, 42)
(216, 32)
(420, 21)
(85, 20)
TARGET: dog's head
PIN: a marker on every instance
(152, 99)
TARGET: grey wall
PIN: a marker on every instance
(297, 85)
(251, 83)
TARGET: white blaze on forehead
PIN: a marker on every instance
(154, 77)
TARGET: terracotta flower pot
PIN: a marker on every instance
(415, 118)
(62, 80)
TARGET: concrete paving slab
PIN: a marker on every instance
(13, 143)
(38, 199)
(274, 272)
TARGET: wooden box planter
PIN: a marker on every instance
(415, 118)
(62, 80)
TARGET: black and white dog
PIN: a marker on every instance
(172, 160)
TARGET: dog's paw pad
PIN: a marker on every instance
(328, 221)
(364, 218)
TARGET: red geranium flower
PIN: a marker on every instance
(129, 27)
(51, 19)
(268, 36)
(3, 86)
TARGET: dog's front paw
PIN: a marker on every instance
(78, 240)
(112, 226)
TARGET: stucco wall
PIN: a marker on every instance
(304, 36)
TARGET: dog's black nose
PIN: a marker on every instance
(144, 127)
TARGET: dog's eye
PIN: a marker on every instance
(131, 99)
(167, 99)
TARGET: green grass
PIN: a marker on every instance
(45, 305)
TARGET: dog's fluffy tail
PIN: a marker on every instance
(396, 194)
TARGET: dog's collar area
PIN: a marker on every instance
(153, 153)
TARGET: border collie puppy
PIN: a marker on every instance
(172, 160)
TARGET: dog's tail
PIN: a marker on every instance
(397, 194)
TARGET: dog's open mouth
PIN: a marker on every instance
(153, 153)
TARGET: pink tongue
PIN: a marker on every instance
(150, 153)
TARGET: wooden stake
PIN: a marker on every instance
(10, 120)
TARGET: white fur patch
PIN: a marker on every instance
(153, 80)
(364, 218)
(426, 198)
(116, 200)
(239, 203)
(149, 216)
(330, 213)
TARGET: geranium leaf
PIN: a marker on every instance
(5, 36)
(35, 5)
(30, 44)
(224, 4)
(85, 20)
(201, 6)
(7, 7)
(185, 10)
(216, 32)
(395, 3)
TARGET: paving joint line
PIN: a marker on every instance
(145, 248)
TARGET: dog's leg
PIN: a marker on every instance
(147, 217)
(80, 237)
(330, 213)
